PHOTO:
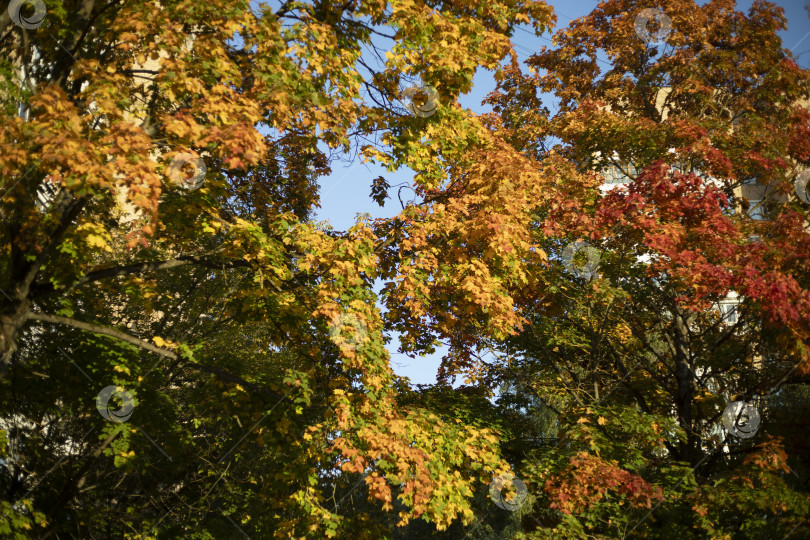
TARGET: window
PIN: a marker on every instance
(614, 175)
(22, 111)
(756, 209)
(728, 312)
(47, 192)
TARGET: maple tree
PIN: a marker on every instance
(636, 361)
(158, 185)
(159, 175)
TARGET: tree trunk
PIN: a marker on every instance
(12, 317)
(685, 381)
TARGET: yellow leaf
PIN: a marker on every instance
(159, 341)
(95, 240)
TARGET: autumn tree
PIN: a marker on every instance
(185, 353)
(630, 347)
(159, 176)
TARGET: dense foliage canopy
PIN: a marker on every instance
(186, 353)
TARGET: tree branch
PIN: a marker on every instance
(138, 268)
(123, 336)
(77, 481)
(73, 208)
(103, 330)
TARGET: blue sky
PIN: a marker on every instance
(345, 192)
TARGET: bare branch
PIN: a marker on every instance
(103, 330)
(150, 266)
(123, 336)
